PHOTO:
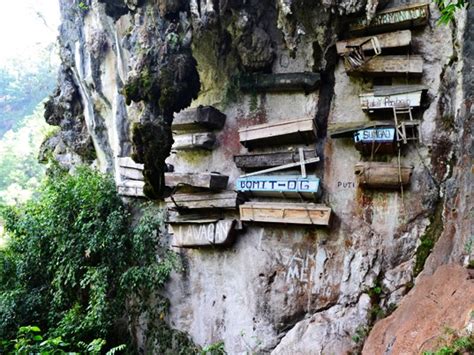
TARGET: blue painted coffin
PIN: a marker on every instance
(280, 185)
(378, 134)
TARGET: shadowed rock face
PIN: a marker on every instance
(128, 66)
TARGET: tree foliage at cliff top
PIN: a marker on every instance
(74, 266)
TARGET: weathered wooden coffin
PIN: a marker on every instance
(395, 18)
(194, 141)
(382, 175)
(131, 188)
(202, 233)
(347, 129)
(385, 97)
(386, 40)
(225, 200)
(300, 131)
(291, 213)
(375, 140)
(206, 117)
(127, 162)
(279, 185)
(305, 81)
(210, 181)
(391, 65)
(269, 160)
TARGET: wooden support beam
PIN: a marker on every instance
(206, 117)
(385, 97)
(347, 129)
(209, 181)
(395, 18)
(386, 40)
(226, 199)
(278, 133)
(305, 81)
(390, 65)
(269, 160)
(280, 186)
(382, 175)
(291, 213)
(194, 141)
(203, 233)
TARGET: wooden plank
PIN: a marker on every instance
(386, 40)
(278, 133)
(395, 18)
(132, 174)
(210, 181)
(127, 162)
(278, 185)
(194, 141)
(203, 233)
(226, 199)
(389, 65)
(385, 97)
(382, 175)
(206, 117)
(269, 160)
(304, 81)
(130, 191)
(347, 129)
(291, 213)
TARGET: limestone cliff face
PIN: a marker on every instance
(128, 66)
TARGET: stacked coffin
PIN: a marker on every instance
(382, 50)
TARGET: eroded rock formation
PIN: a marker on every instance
(128, 66)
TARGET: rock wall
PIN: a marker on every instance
(281, 289)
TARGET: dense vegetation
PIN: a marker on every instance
(75, 267)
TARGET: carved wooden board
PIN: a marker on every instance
(395, 18)
(278, 185)
(227, 200)
(347, 129)
(194, 141)
(278, 133)
(202, 233)
(206, 117)
(205, 180)
(305, 81)
(385, 97)
(382, 175)
(389, 65)
(269, 160)
(291, 213)
(386, 40)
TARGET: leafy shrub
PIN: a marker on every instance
(74, 266)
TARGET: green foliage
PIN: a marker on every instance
(448, 9)
(74, 266)
(214, 349)
(83, 6)
(454, 344)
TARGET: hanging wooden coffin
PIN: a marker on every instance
(131, 188)
(270, 160)
(305, 81)
(385, 97)
(300, 131)
(386, 41)
(202, 233)
(196, 201)
(291, 213)
(194, 141)
(391, 65)
(209, 181)
(279, 185)
(395, 18)
(206, 117)
(375, 140)
(382, 175)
